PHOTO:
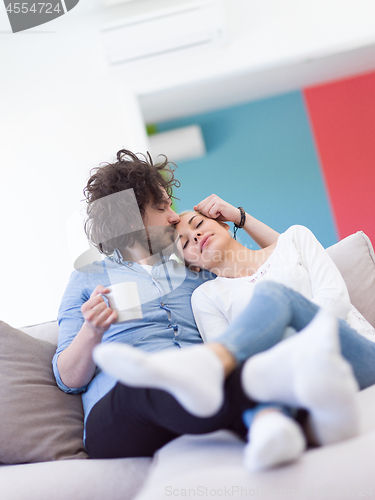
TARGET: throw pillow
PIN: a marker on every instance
(38, 422)
(355, 259)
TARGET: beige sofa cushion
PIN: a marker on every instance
(101, 479)
(39, 422)
(354, 256)
(44, 331)
(211, 466)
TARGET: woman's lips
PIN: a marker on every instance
(204, 241)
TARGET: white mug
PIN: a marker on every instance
(124, 298)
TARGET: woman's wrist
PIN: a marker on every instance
(240, 224)
(242, 220)
(237, 219)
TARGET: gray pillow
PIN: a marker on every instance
(354, 256)
(38, 422)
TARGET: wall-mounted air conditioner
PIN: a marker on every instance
(179, 144)
(165, 31)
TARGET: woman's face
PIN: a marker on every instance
(203, 240)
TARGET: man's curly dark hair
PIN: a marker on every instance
(129, 171)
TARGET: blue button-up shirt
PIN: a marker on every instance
(167, 322)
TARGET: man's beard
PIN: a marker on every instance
(158, 239)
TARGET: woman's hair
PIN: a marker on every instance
(129, 172)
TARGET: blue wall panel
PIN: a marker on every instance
(261, 156)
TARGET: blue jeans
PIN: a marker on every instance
(272, 309)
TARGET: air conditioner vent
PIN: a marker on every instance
(164, 32)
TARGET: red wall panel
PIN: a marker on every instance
(342, 115)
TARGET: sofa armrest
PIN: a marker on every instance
(354, 256)
(44, 331)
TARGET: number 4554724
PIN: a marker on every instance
(39, 7)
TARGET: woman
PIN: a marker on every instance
(296, 260)
(207, 244)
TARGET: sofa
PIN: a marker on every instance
(43, 456)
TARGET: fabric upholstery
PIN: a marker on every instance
(38, 421)
(354, 256)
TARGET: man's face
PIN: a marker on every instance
(159, 221)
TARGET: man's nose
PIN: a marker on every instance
(173, 218)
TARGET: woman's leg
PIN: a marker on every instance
(307, 370)
(272, 309)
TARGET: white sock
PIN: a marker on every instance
(193, 375)
(274, 439)
(308, 370)
(327, 388)
(268, 376)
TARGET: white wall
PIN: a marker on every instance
(62, 112)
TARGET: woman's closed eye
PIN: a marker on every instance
(187, 241)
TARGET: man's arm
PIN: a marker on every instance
(75, 364)
(216, 208)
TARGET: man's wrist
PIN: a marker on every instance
(95, 334)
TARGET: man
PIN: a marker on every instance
(131, 221)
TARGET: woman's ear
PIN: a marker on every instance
(223, 224)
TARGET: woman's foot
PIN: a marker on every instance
(307, 370)
(274, 439)
(327, 388)
(194, 375)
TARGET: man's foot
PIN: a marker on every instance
(193, 375)
(274, 439)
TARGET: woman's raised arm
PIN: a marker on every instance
(218, 209)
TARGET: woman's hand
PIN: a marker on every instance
(98, 316)
(216, 208)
